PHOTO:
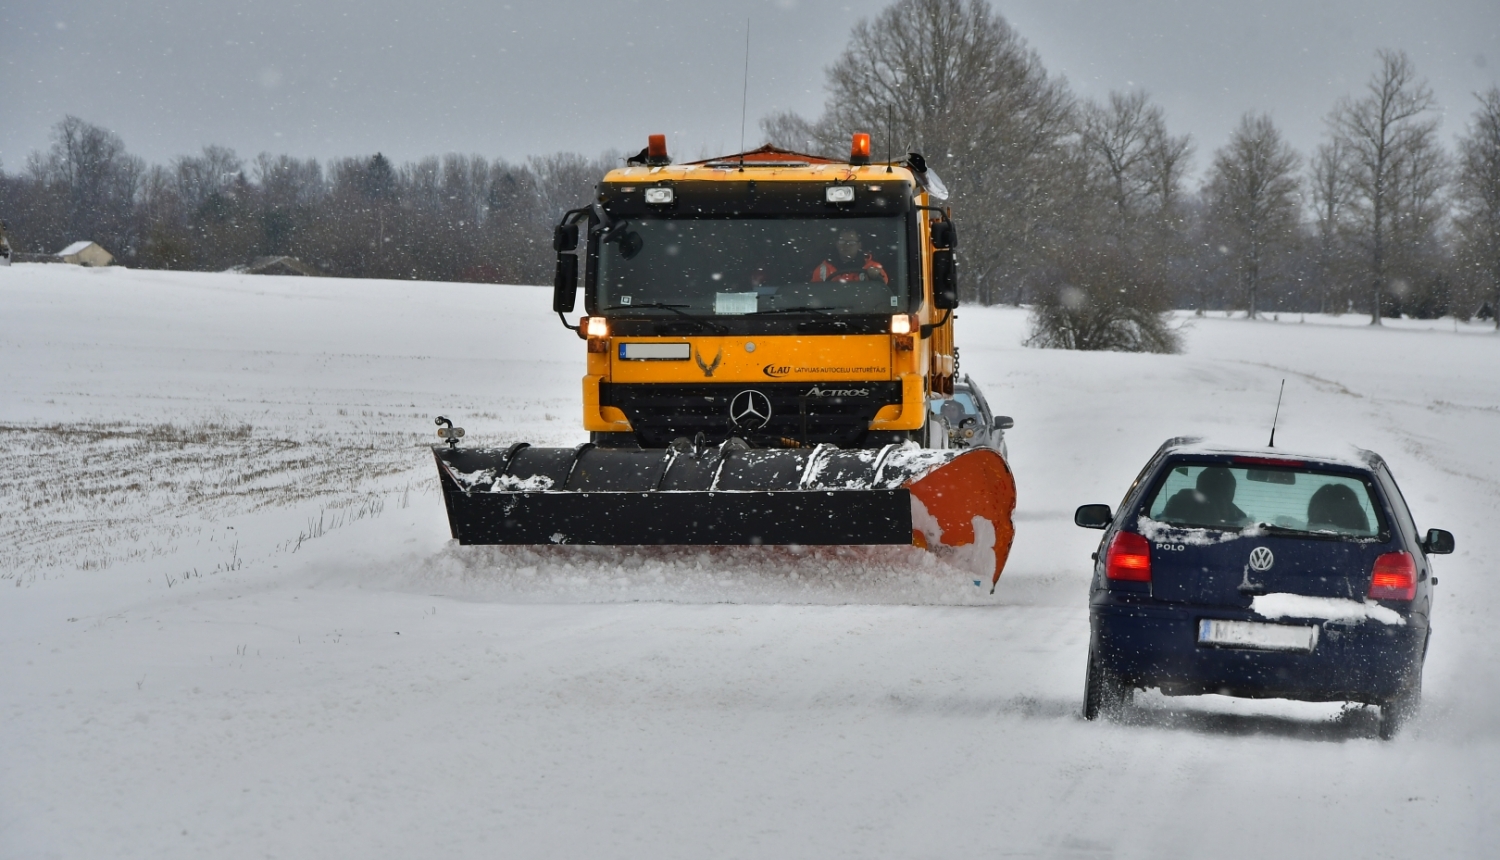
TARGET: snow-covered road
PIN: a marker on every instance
(231, 624)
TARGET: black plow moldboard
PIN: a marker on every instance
(718, 495)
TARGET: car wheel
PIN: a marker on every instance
(1104, 694)
(1396, 711)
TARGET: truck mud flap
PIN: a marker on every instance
(957, 503)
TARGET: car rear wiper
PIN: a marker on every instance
(1274, 529)
(1319, 534)
(676, 309)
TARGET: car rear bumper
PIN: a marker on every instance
(1157, 646)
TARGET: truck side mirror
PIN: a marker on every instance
(1004, 422)
(1093, 516)
(565, 281)
(1437, 542)
(944, 280)
(944, 235)
(944, 267)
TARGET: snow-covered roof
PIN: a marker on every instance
(74, 248)
(1342, 455)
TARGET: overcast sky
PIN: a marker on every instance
(329, 78)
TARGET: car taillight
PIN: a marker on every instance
(1129, 558)
(1394, 577)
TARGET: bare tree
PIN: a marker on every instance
(1135, 161)
(1415, 256)
(465, 188)
(1111, 284)
(1478, 195)
(1331, 192)
(1168, 158)
(790, 130)
(517, 232)
(1384, 132)
(165, 243)
(1252, 191)
(93, 181)
(566, 180)
(288, 193)
(289, 183)
(952, 80)
(201, 177)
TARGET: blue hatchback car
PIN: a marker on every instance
(1260, 573)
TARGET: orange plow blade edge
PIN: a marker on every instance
(962, 510)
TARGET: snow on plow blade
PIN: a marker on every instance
(956, 502)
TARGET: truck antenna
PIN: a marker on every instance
(890, 123)
(745, 96)
(1272, 443)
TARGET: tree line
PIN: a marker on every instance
(449, 218)
(1079, 208)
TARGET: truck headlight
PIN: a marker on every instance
(658, 195)
(839, 194)
(598, 327)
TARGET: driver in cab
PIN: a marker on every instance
(854, 263)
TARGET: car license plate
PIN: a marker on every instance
(1251, 634)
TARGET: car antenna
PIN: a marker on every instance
(1272, 443)
(745, 96)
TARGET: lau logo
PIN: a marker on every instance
(1261, 558)
(776, 371)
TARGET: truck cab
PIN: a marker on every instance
(784, 299)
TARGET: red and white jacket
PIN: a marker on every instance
(827, 271)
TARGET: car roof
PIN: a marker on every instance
(1350, 457)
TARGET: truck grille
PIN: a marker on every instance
(837, 413)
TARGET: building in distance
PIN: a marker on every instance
(86, 253)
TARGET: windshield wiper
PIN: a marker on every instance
(824, 311)
(663, 305)
(676, 309)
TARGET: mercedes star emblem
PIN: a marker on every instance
(1261, 558)
(750, 410)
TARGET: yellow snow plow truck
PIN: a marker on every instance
(770, 361)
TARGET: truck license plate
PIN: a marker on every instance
(1251, 634)
(655, 351)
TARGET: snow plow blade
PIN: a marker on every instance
(955, 502)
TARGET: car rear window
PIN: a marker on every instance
(1226, 496)
(960, 397)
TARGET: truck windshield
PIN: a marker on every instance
(1216, 496)
(754, 266)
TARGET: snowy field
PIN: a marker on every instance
(232, 624)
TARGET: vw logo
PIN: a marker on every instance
(1261, 558)
(750, 410)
